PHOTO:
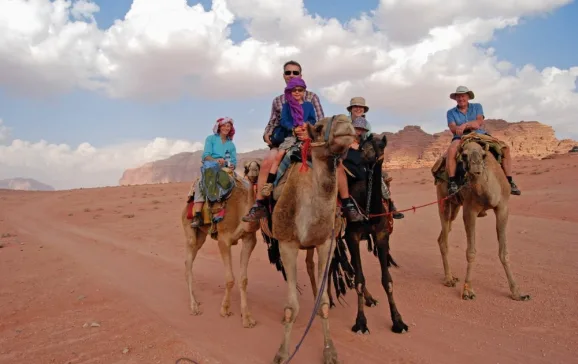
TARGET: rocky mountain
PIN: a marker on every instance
(24, 184)
(410, 147)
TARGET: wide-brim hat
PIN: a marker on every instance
(462, 90)
(357, 101)
(361, 123)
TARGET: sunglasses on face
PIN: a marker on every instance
(297, 89)
(294, 73)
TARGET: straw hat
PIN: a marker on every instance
(462, 90)
(357, 101)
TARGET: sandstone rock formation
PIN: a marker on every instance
(410, 147)
(24, 184)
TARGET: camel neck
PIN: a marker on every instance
(324, 177)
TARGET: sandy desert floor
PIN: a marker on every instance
(97, 276)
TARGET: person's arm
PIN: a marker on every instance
(451, 122)
(273, 122)
(479, 122)
(317, 106)
(233, 155)
(208, 150)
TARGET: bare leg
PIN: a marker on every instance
(197, 207)
(507, 162)
(289, 252)
(387, 282)
(249, 242)
(470, 226)
(323, 258)
(195, 240)
(501, 224)
(446, 218)
(225, 250)
(277, 161)
(342, 182)
(311, 270)
(451, 163)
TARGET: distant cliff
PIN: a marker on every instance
(24, 184)
(410, 147)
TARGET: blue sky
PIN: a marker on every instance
(82, 116)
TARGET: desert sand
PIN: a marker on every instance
(97, 276)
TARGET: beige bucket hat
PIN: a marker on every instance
(462, 90)
(357, 101)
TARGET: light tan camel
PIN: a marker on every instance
(228, 233)
(486, 188)
(305, 216)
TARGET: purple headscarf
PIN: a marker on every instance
(294, 106)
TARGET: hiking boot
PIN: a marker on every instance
(396, 215)
(514, 190)
(351, 213)
(256, 213)
(197, 221)
(452, 188)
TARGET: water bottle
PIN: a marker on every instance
(227, 159)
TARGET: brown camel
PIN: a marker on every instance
(305, 216)
(484, 187)
(228, 232)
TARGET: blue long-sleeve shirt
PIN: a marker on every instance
(215, 148)
(308, 115)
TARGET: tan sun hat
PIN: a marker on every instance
(462, 90)
(357, 101)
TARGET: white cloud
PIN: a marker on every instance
(63, 166)
(405, 57)
(4, 133)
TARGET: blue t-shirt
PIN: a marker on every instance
(308, 115)
(456, 116)
(215, 148)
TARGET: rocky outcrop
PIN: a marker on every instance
(410, 147)
(24, 184)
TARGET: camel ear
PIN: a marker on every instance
(384, 141)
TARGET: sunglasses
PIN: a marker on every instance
(298, 89)
(294, 73)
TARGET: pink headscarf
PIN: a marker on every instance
(222, 121)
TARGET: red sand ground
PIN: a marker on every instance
(115, 257)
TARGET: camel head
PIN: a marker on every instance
(473, 156)
(334, 133)
(373, 149)
(252, 169)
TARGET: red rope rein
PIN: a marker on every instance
(413, 208)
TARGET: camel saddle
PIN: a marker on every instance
(216, 182)
(488, 142)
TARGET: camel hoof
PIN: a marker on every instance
(248, 322)
(196, 309)
(330, 355)
(280, 358)
(399, 327)
(522, 297)
(451, 282)
(371, 302)
(360, 328)
(226, 313)
(468, 295)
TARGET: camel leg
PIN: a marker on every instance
(289, 252)
(225, 250)
(249, 242)
(324, 256)
(470, 226)
(387, 282)
(311, 270)
(501, 224)
(369, 300)
(352, 240)
(446, 218)
(195, 240)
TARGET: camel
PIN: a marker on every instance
(305, 217)
(367, 193)
(227, 232)
(484, 187)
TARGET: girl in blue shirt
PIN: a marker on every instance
(219, 147)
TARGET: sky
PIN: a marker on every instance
(91, 88)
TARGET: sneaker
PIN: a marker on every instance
(514, 190)
(197, 221)
(256, 213)
(452, 188)
(351, 213)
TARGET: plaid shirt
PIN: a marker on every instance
(278, 102)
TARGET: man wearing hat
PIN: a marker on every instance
(467, 117)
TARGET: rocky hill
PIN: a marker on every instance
(410, 147)
(24, 184)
